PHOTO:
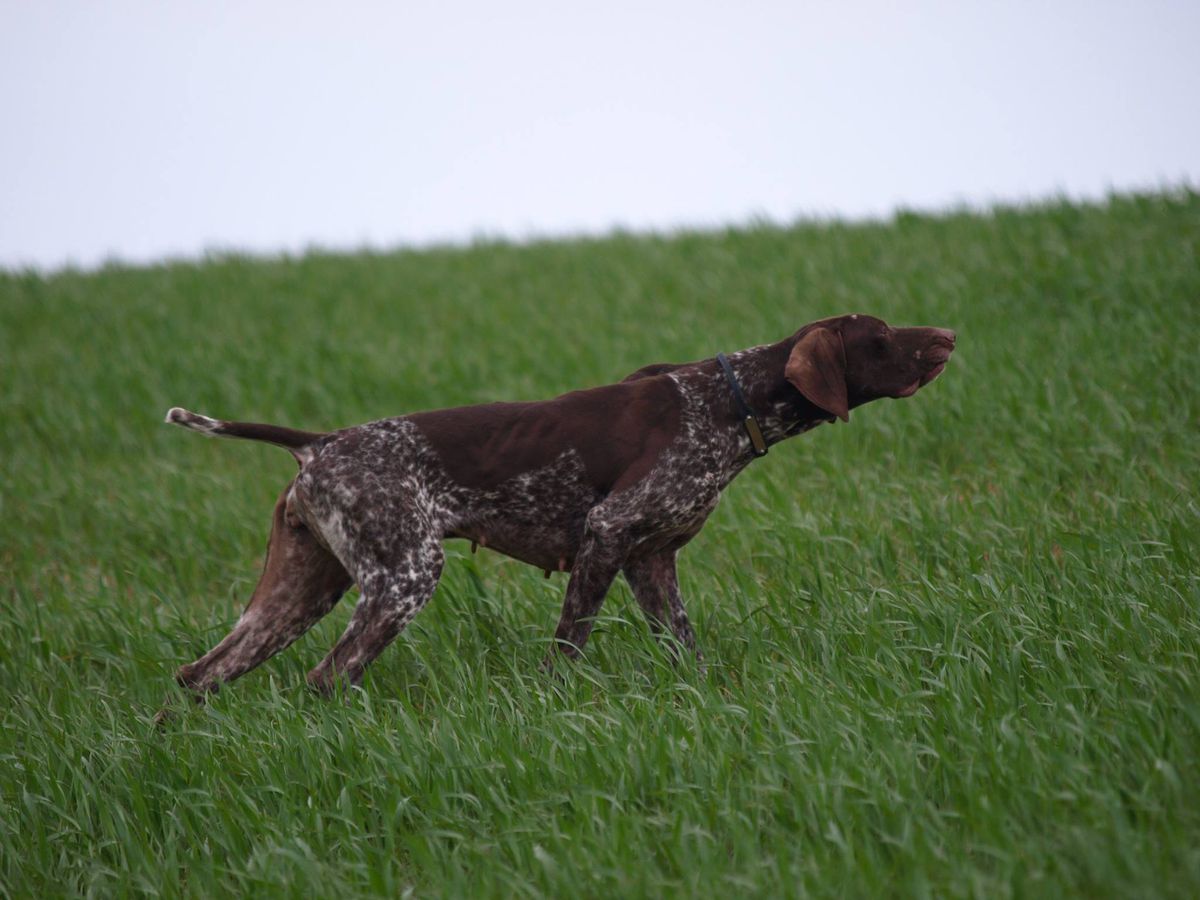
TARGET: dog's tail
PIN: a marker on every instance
(295, 442)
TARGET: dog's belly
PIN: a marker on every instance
(552, 549)
(536, 518)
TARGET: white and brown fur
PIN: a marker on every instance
(612, 479)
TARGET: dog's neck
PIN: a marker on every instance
(780, 409)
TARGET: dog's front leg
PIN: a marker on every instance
(602, 551)
(655, 585)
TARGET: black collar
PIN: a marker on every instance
(748, 421)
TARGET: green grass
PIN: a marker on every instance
(952, 646)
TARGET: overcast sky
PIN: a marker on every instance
(142, 130)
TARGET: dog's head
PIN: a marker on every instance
(844, 362)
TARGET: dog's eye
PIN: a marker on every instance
(879, 344)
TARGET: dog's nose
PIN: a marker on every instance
(945, 333)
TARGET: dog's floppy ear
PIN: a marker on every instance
(817, 369)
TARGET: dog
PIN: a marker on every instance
(610, 479)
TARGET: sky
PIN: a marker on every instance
(136, 131)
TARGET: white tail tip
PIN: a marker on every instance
(177, 415)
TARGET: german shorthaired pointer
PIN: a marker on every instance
(595, 482)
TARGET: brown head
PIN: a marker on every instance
(844, 362)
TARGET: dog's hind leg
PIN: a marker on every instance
(393, 592)
(300, 583)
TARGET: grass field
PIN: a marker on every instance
(952, 645)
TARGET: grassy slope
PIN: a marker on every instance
(953, 645)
